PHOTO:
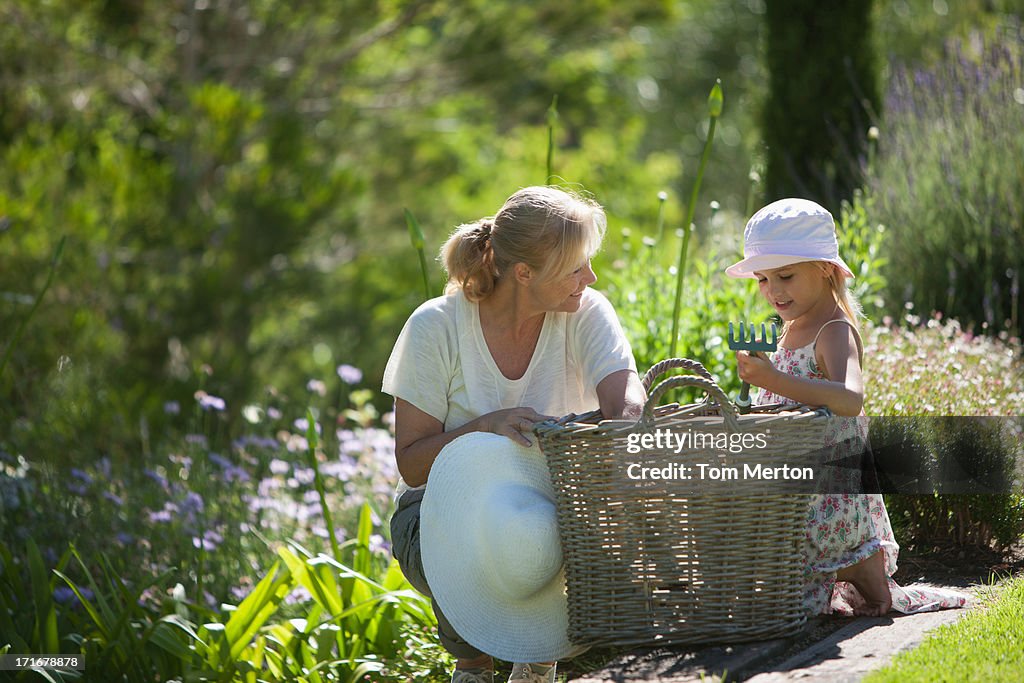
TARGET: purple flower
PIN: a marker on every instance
(210, 540)
(379, 545)
(300, 594)
(305, 475)
(160, 479)
(161, 516)
(197, 439)
(350, 374)
(210, 402)
(193, 503)
(278, 466)
(65, 596)
(302, 424)
(220, 460)
(172, 407)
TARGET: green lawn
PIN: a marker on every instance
(985, 645)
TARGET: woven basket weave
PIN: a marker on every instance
(667, 564)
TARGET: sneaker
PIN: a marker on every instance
(472, 676)
(532, 673)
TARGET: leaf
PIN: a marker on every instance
(42, 596)
(324, 592)
(164, 634)
(93, 613)
(257, 607)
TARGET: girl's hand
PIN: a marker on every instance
(514, 423)
(755, 368)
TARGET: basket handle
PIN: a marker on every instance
(664, 366)
(708, 385)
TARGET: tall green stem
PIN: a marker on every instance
(552, 120)
(418, 242)
(714, 111)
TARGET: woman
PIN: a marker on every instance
(518, 337)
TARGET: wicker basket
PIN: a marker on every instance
(667, 564)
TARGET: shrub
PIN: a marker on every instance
(947, 183)
(936, 369)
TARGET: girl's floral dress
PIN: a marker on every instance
(843, 529)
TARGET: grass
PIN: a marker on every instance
(985, 645)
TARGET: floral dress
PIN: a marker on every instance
(845, 528)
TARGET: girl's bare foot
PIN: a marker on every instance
(868, 577)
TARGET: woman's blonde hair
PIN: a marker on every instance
(549, 229)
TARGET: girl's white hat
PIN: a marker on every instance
(491, 550)
(785, 232)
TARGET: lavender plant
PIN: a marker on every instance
(946, 182)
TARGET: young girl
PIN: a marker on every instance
(791, 249)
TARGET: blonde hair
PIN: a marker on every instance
(549, 229)
(843, 296)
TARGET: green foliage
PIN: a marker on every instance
(823, 96)
(947, 182)
(938, 370)
(862, 244)
(229, 188)
(355, 620)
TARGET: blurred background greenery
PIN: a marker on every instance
(230, 176)
(203, 234)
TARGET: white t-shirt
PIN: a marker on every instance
(441, 363)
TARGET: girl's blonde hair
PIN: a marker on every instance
(549, 229)
(843, 296)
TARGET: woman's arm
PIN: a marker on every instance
(842, 392)
(621, 394)
(419, 437)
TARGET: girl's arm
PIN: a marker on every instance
(419, 437)
(842, 392)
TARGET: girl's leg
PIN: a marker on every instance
(869, 578)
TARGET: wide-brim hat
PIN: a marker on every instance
(491, 550)
(786, 232)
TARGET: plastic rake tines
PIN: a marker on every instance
(750, 342)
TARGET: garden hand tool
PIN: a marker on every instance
(750, 343)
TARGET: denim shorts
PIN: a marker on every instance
(405, 545)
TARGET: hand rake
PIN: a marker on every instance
(750, 343)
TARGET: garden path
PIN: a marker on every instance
(829, 649)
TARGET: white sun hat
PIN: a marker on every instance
(491, 548)
(786, 232)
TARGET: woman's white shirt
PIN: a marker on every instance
(441, 363)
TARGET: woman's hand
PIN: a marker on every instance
(513, 423)
(755, 368)
(419, 437)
